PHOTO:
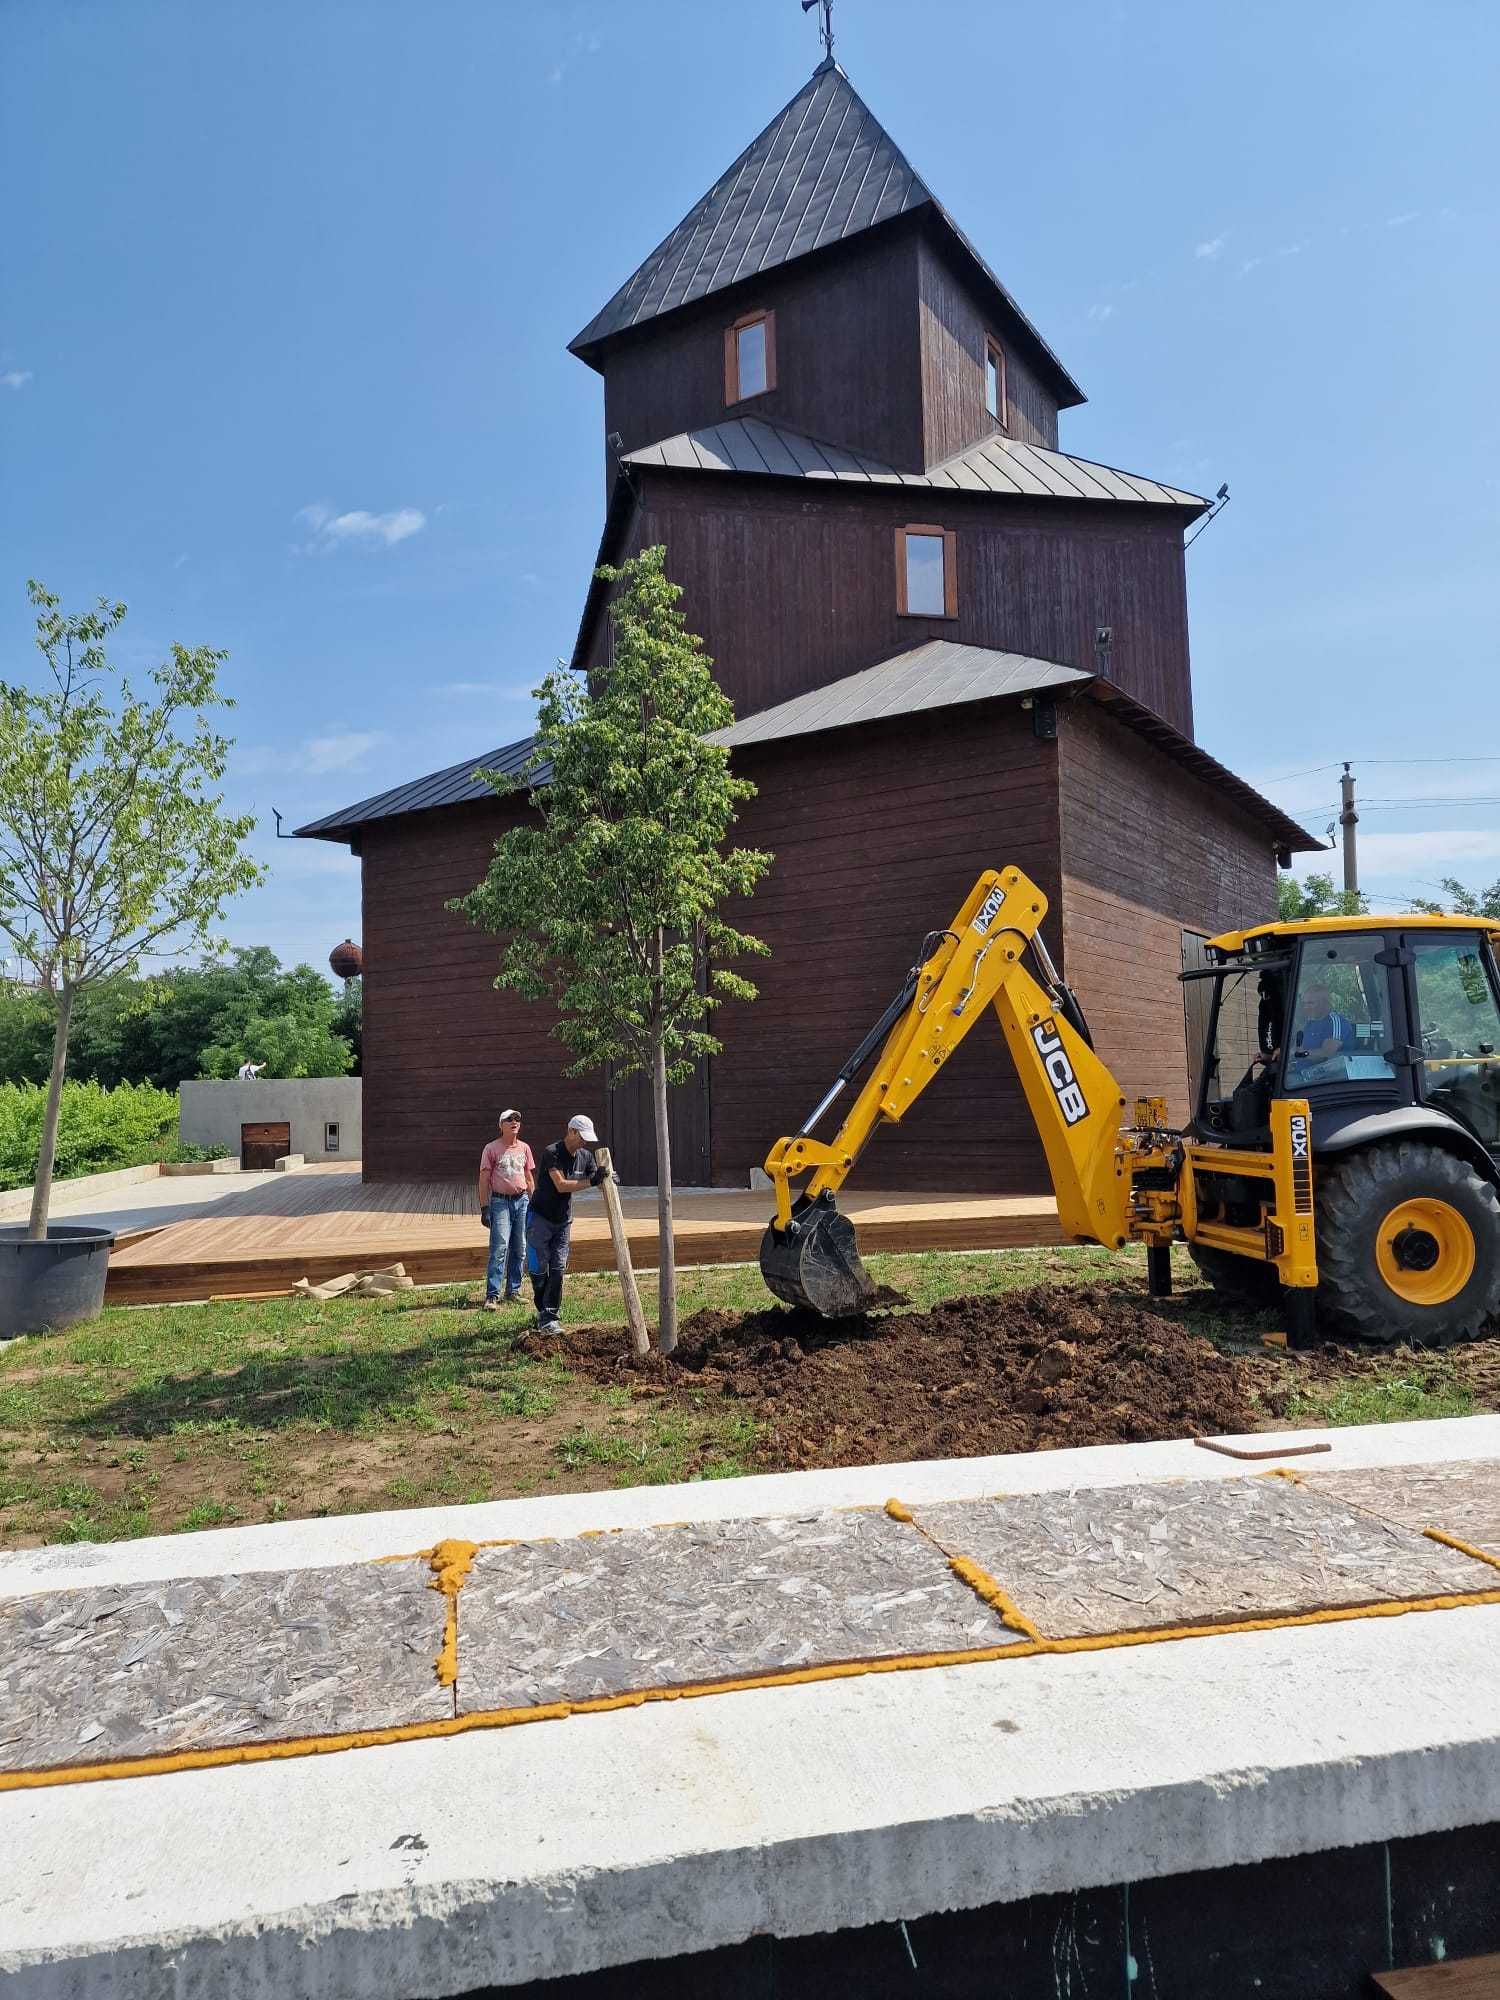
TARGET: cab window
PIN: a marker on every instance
(1339, 1028)
(1460, 1030)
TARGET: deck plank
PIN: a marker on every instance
(324, 1220)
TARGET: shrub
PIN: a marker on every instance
(99, 1129)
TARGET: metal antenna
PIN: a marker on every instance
(825, 26)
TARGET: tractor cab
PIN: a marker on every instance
(1364, 1017)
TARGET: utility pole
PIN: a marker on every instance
(1349, 820)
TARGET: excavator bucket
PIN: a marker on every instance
(815, 1263)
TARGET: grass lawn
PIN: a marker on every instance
(152, 1420)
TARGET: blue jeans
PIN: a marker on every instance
(507, 1236)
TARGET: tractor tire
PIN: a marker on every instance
(1408, 1246)
(1239, 1281)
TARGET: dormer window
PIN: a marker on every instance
(994, 380)
(926, 572)
(750, 357)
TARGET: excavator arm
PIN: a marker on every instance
(1113, 1183)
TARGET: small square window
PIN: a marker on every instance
(926, 584)
(330, 1137)
(994, 379)
(750, 357)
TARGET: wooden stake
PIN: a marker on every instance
(640, 1339)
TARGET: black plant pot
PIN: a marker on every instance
(54, 1282)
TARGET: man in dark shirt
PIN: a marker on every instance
(562, 1171)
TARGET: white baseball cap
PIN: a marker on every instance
(584, 1127)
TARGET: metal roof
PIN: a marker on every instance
(997, 465)
(937, 675)
(944, 672)
(823, 170)
(455, 786)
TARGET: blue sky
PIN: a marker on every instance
(287, 290)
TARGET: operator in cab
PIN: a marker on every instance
(1323, 1031)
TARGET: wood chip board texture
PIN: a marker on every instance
(1462, 1499)
(206, 1662)
(652, 1608)
(1132, 1558)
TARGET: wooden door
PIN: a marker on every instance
(262, 1146)
(631, 1135)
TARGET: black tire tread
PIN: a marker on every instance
(1353, 1192)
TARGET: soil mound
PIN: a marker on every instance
(1024, 1371)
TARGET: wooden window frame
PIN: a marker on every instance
(993, 349)
(950, 570)
(732, 355)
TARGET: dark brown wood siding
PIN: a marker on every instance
(791, 588)
(954, 326)
(444, 1052)
(847, 357)
(1148, 852)
(879, 833)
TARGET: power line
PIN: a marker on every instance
(1313, 770)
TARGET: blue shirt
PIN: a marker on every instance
(1331, 1028)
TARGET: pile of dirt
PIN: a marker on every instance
(1023, 1371)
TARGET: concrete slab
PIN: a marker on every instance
(1124, 1558)
(1461, 1498)
(707, 1601)
(134, 1671)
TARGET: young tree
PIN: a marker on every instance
(111, 842)
(612, 906)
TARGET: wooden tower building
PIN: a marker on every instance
(949, 643)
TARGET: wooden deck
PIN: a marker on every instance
(324, 1220)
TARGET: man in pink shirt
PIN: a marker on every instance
(507, 1175)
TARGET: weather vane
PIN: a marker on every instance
(825, 26)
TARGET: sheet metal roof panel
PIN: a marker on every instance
(996, 464)
(455, 785)
(938, 674)
(822, 171)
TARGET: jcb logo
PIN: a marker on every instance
(988, 909)
(1071, 1101)
(1299, 1137)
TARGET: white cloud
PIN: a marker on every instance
(1249, 265)
(339, 752)
(16, 378)
(1400, 221)
(360, 528)
(1101, 312)
(466, 690)
(1211, 248)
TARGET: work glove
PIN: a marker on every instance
(599, 1176)
(484, 1215)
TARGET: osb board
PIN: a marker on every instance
(716, 1600)
(1462, 1499)
(204, 1662)
(1132, 1558)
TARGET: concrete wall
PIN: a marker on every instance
(211, 1114)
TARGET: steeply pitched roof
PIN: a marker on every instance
(455, 786)
(938, 675)
(823, 170)
(996, 465)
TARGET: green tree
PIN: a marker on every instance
(1296, 901)
(613, 906)
(1462, 902)
(112, 843)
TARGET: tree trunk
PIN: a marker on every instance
(666, 1269)
(41, 1197)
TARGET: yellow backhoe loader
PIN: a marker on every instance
(1344, 1148)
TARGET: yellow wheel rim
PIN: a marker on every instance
(1425, 1252)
